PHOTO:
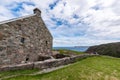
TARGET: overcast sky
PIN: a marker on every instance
(71, 22)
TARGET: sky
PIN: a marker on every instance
(71, 22)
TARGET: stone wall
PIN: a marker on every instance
(24, 39)
(45, 64)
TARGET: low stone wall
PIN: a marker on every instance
(45, 64)
(17, 67)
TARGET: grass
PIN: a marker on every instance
(65, 51)
(17, 72)
(92, 68)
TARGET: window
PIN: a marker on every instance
(27, 59)
(22, 40)
(2, 48)
(46, 43)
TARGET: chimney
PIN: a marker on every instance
(37, 12)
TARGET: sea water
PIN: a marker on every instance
(80, 49)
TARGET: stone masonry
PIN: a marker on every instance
(24, 39)
(47, 63)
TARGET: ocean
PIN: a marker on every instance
(80, 48)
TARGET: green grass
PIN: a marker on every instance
(64, 51)
(17, 72)
(92, 68)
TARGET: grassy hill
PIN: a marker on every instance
(65, 51)
(111, 49)
(92, 68)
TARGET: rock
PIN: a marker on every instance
(57, 56)
(42, 58)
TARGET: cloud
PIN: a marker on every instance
(5, 13)
(72, 41)
(71, 22)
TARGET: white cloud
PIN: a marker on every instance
(96, 22)
(5, 13)
(83, 41)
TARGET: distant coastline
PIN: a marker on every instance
(75, 48)
(81, 46)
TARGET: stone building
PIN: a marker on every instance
(24, 39)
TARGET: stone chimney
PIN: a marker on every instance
(37, 12)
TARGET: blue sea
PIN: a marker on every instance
(80, 49)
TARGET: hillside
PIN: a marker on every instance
(92, 68)
(111, 49)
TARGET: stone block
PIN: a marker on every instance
(17, 67)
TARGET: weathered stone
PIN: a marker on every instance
(1, 36)
(17, 67)
(45, 64)
(57, 56)
(42, 58)
(22, 36)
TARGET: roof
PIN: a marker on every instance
(14, 19)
